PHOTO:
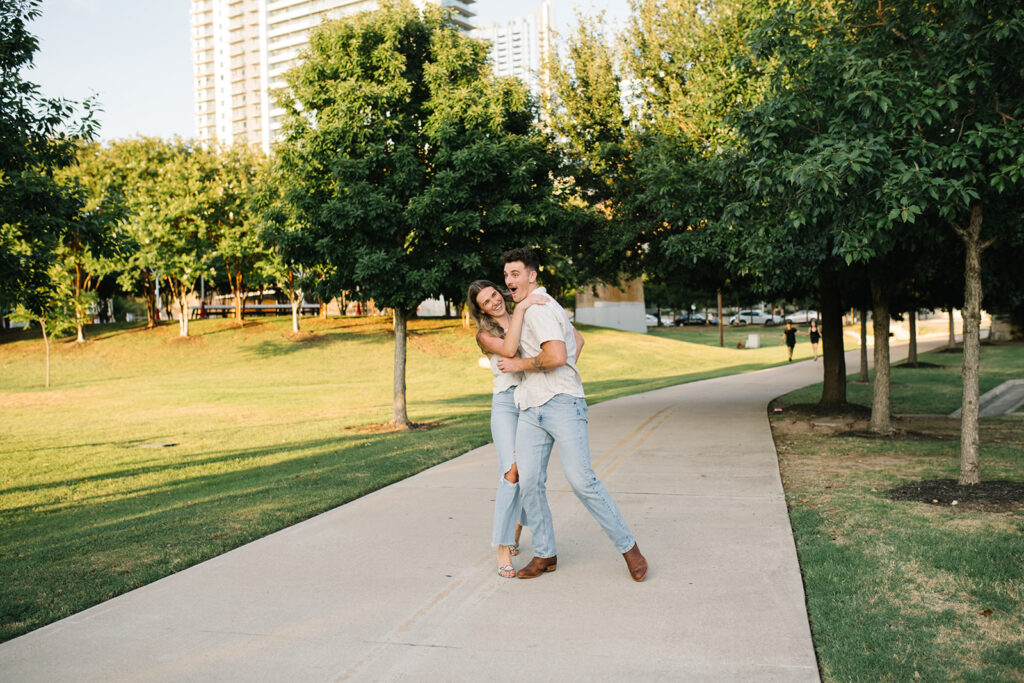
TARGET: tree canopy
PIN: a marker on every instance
(38, 136)
(408, 164)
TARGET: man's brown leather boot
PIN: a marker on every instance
(538, 566)
(636, 563)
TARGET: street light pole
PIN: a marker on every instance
(721, 330)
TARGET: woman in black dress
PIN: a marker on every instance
(815, 337)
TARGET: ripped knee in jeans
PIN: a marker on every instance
(512, 475)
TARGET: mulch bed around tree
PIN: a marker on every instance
(901, 434)
(304, 337)
(851, 410)
(388, 427)
(988, 496)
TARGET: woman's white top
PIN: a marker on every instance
(503, 381)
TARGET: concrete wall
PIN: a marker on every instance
(610, 306)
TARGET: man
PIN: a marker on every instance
(790, 332)
(553, 409)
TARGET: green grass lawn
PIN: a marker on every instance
(734, 334)
(930, 390)
(266, 431)
(900, 590)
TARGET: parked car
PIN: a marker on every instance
(695, 318)
(755, 318)
(652, 320)
(798, 317)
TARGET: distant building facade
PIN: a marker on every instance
(241, 50)
(610, 306)
(520, 46)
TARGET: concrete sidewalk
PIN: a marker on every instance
(401, 584)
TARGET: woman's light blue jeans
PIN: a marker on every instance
(508, 505)
(562, 420)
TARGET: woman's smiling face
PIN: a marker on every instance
(491, 302)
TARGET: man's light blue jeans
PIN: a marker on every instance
(508, 504)
(562, 420)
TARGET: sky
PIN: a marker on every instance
(135, 56)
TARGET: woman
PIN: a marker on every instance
(815, 337)
(498, 335)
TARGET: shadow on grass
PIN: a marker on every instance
(169, 464)
(282, 347)
(99, 546)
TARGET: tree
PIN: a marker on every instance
(135, 169)
(410, 166)
(687, 79)
(93, 243)
(179, 222)
(812, 156)
(585, 112)
(886, 118)
(291, 241)
(50, 310)
(239, 251)
(962, 130)
(38, 136)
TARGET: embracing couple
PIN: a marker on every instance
(538, 401)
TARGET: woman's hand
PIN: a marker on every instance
(533, 299)
(515, 329)
(510, 364)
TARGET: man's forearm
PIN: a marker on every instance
(544, 361)
(552, 355)
(536, 364)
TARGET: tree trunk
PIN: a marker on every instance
(79, 310)
(296, 302)
(183, 305)
(912, 344)
(235, 281)
(863, 346)
(833, 356)
(46, 343)
(952, 329)
(180, 295)
(399, 416)
(970, 469)
(149, 293)
(881, 403)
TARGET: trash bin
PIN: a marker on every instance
(753, 341)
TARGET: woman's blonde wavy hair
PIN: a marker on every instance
(483, 321)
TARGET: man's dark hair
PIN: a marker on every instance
(525, 254)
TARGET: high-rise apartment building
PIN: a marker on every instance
(520, 46)
(241, 50)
